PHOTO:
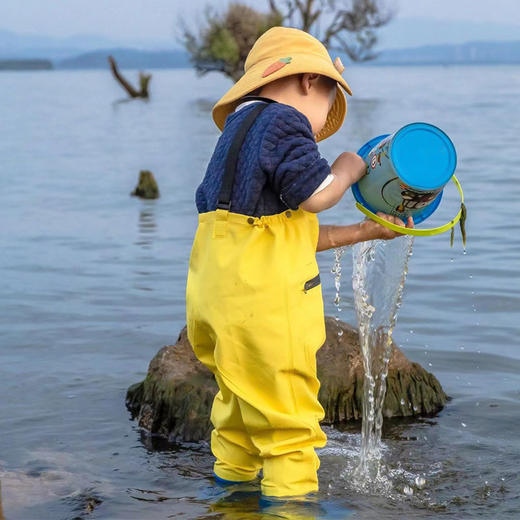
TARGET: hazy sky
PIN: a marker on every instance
(123, 19)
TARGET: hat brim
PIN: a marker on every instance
(300, 63)
(335, 117)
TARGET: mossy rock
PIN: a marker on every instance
(341, 374)
(147, 187)
(175, 398)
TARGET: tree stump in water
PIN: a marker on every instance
(147, 186)
(144, 80)
(175, 398)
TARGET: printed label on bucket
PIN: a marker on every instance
(403, 199)
(381, 150)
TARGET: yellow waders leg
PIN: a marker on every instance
(292, 474)
(290, 463)
(237, 457)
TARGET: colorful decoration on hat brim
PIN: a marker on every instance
(276, 66)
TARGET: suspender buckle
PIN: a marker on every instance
(220, 224)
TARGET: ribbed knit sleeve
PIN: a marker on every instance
(290, 158)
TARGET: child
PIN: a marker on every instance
(254, 302)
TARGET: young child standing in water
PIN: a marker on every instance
(254, 302)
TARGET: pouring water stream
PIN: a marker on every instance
(379, 274)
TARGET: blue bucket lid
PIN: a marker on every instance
(423, 156)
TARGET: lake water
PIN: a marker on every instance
(92, 286)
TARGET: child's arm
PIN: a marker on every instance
(347, 169)
(368, 229)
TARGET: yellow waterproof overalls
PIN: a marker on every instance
(255, 319)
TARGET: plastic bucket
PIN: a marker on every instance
(407, 171)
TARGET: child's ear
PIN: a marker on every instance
(309, 80)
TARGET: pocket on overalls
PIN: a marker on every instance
(312, 319)
(311, 283)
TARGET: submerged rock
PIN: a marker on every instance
(175, 398)
(147, 186)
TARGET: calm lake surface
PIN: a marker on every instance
(92, 286)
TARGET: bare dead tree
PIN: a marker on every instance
(223, 40)
(144, 80)
(347, 26)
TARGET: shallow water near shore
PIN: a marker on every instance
(93, 286)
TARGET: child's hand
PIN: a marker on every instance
(372, 230)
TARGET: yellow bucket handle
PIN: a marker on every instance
(413, 231)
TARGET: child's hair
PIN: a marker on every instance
(331, 83)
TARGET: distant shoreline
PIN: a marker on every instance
(25, 64)
(470, 53)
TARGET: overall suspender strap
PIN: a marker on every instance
(224, 198)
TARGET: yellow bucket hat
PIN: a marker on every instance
(281, 52)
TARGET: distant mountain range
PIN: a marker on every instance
(128, 59)
(22, 46)
(90, 52)
(400, 33)
(465, 53)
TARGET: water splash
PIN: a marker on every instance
(336, 271)
(379, 273)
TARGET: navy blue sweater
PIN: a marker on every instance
(279, 165)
